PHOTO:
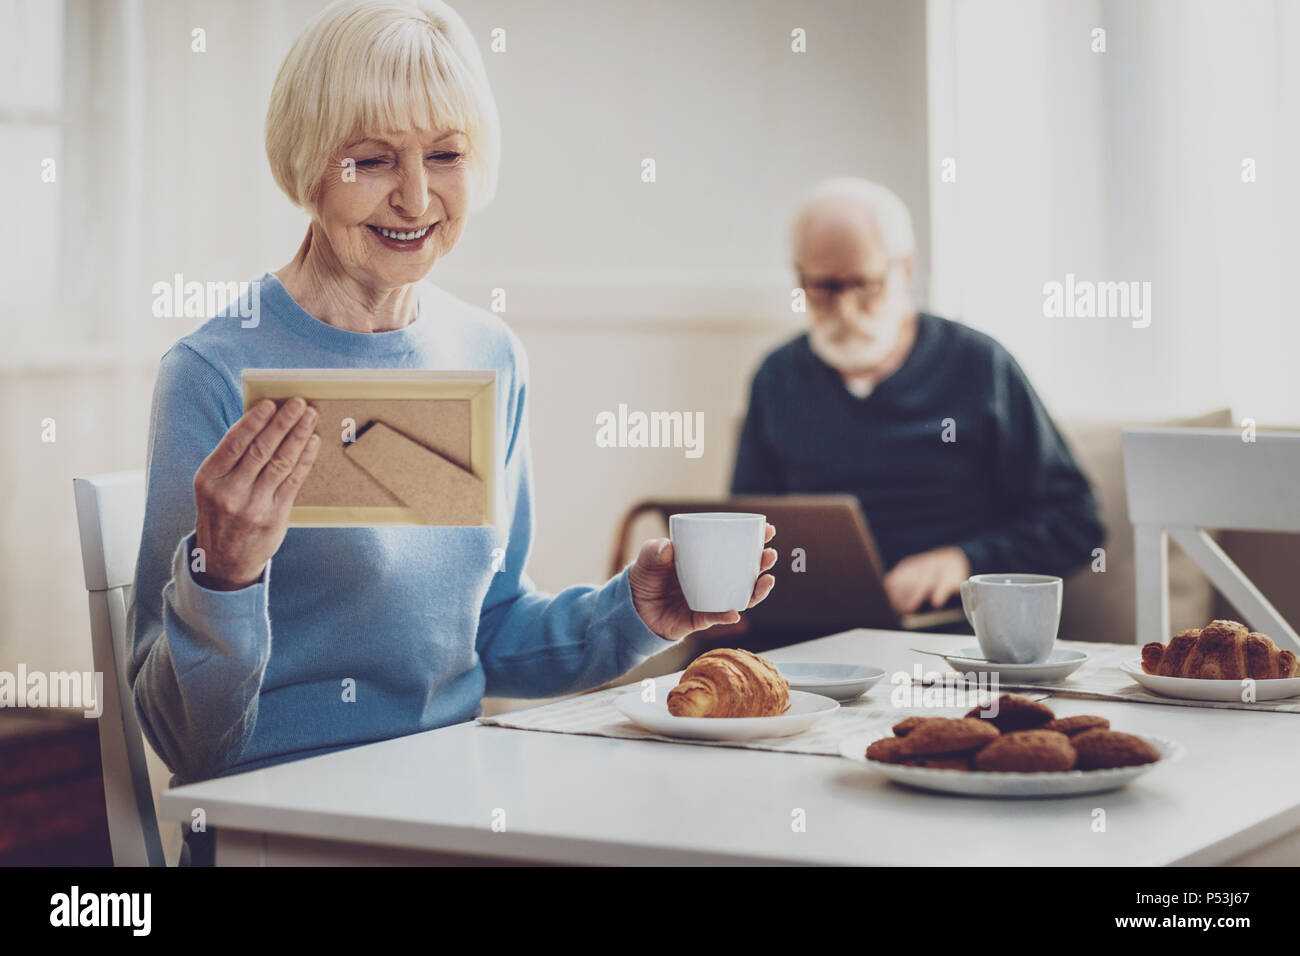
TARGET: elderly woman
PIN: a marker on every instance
(255, 644)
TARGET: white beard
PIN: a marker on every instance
(853, 353)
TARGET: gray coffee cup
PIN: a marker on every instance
(1015, 616)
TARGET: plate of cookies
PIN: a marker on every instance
(1015, 747)
(727, 694)
(1223, 661)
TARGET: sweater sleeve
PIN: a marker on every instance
(758, 469)
(534, 644)
(197, 655)
(1050, 522)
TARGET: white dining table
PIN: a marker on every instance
(474, 794)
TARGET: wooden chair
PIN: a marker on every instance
(1182, 481)
(110, 515)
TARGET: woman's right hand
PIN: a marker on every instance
(244, 490)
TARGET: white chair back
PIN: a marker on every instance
(1181, 481)
(110, 515)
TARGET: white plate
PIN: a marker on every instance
(1060, 665)
(978, 783)
(805, 710)
(1191, 688)
(842, 682)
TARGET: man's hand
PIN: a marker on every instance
(931, 575)
(658, 598)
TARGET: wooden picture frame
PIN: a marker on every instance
(419, 449)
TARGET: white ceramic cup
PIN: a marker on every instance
(717, 555)
(1015, 616)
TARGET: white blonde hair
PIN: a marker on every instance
(363, 66)
(865, 200)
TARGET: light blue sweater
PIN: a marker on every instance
(417, 617)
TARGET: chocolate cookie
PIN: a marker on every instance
(940, 736)
(909, 724)
(1077, 725)
(1015, 713)
(1028, 751)
(885, 750)
(1102, 749)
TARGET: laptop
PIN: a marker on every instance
(841, 584)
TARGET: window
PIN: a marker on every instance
(31, 111)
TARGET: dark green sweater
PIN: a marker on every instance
(1006, 491)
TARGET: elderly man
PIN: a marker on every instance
(931, 424)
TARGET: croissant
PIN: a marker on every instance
(1222, 650)
(729, 682)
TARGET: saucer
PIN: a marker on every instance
(1058, 666)
(842, 682)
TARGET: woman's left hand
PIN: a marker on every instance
(658, 598)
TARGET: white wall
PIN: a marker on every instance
(1124, 165)
(738, 125)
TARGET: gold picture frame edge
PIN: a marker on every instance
(364, 383)
(324, 516)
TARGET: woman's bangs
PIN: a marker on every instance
(405, 90)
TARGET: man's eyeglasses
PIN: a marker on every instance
(866, 290)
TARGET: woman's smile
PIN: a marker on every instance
(401, 240)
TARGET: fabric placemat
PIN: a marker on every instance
(594, 715)
(1101, 679)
